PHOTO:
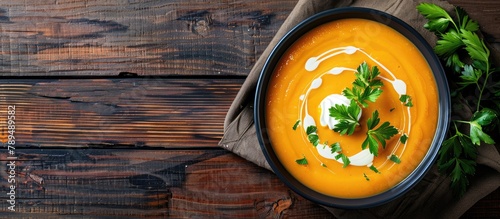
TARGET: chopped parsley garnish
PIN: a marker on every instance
(302, 161)
(336, 148)
(403, 138)
(406, 100)
(374, 169)
(344, 158)
(394, 158)
(311, 130)
(366, 177)
(296, 125)
(312, 136)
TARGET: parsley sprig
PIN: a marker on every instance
(366, 86)
(468, 58)
(377, 136)
(347, 117)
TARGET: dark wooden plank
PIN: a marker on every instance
(148, 184)
(118, 112)
(153, 37)
(486, 12)
(179, 37)
(128, 183)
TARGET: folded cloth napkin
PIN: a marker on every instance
(432, 197)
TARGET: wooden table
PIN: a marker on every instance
(120, 105)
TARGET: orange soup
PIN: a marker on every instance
(310, 79)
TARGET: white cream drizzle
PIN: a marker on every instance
(364, 157)
(313, 62)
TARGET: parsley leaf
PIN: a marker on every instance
(484, 117)
(311, 129)
(458, 179)
(403, 138)
(347, 117)
(374, 169)
(345, 159)
(479, 119)
(373, 121)
(336, 148)
(383, 132)
(454, 62)
(438, 18)
(475, 46)
(406, 100)
(365, 86)
(312, 136)
(466, 23)
(302, 161)
(470, 75)
(394, 158)
(366, 77)
(314, 139)
(296, 125)
(376, 137)
(449, 44)
(459, 170)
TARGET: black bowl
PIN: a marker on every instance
(267, 72)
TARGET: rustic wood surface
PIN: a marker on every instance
(120, 105)
(127, 112)
(144, 37)
(139, 183)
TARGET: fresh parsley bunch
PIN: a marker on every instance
(475, 90)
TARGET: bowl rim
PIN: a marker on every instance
(443, 118)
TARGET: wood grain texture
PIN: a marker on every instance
(486, 13)
(115, 112)
(67, 37)
(100, 183)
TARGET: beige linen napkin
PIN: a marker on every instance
(432, 197)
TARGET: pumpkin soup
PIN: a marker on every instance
(351, 108)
